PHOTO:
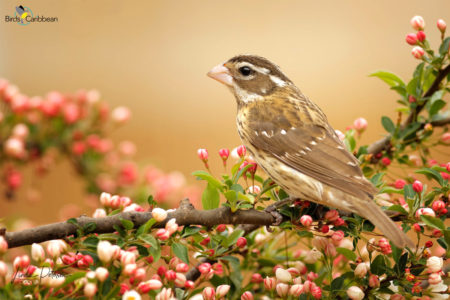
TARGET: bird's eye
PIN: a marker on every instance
(245, 70)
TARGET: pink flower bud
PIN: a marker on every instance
(374, 281)
(337, 237)
(101, 273)
(159, 214)
(360, 124)
(417, 186)
(222, 290)
(20, 131)
(90, 289)
(3, 245)
(105, 199)
(37, 252)
(331, 215)
(441, 25)
(21, 262)
(256, 278)
(105, 251)
(144, 287)
(340, 135)
(189, 284)
(361, 270)
(121, 114)
(296, 290)
(283, 275)
(171, 275)
(411, 99)
(56, 247)
(417, 227)
(99, 213)
(182, 267)
(445, 138)
(399, 183)
(355, 293)
(202, 154)
(154, 284)
(3, 269)
(434, 278)
(241, 150)
(180, 280)
(418, 23)
(127, 257)
(14, 147)
(171, 226)
(425, 211)
(247, 296)
(316, 292)
(254, 189)
(204, 268)
(386, 161)
(434, 264)
(421, 36)
(224, 153)
(269, 283)
(411, 38)
(306, 220)
(208, 293)
(417, 52)
(438, 205)
(166, 294)
(241, 242)
(282, 289)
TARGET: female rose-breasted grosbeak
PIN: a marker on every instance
(290, 138)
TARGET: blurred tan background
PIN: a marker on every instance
(153, 56)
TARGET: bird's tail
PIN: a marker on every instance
(372, 212)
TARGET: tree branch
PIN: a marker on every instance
(186, 214)
(384, 143)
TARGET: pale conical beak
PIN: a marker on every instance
(221, 74)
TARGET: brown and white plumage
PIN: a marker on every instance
(290, 138)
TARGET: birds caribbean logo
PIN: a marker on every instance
(22, 13)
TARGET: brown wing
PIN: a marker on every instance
(313, 150)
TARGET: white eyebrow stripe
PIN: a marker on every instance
(277, 81)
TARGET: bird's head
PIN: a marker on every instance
(250, 77)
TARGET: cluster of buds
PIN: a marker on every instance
(418, 38)
(164, 233)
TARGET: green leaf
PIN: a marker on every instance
(401, 264)
(209, 178)
(72, 277)
(433, 222)
(146, 227)
(436, 107)
(241, 172)
(127, 224)
(347, 253)
(447, 238)
(151, 201)
(397, 208)
(443, 49)
(378, 265)
(181, 251)
(232, 238)
(412, 87)
(377, 178)
(210, 197)
(408, 191)
(390, 78)
(149, 239)
(388, 124)
(304, 233)
(91, 242)
(73, 221)
(432, 174)
(89, 227)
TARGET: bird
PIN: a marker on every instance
(291, 139)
